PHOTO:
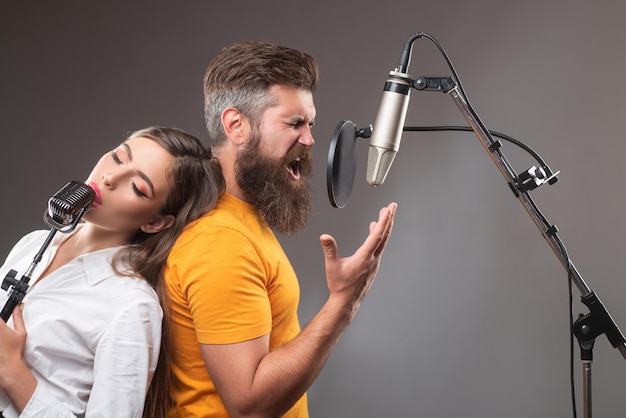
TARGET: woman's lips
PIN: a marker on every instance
(98, 200)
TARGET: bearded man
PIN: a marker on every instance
(238, 349)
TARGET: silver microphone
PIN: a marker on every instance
(68, 204)
(387, 132)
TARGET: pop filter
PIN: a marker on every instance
(342, 161)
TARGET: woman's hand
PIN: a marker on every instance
(16, 380)
(12, 341)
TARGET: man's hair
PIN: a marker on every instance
(242, 73)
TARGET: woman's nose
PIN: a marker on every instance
(110, 179)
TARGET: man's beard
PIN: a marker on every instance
(285, 203)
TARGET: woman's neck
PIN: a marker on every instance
(90, 238)
(85, 240)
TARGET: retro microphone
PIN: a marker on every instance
(65, 208)
(68, 205)
(387, 132)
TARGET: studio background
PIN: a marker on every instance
(469, 313)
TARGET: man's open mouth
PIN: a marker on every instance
(294, 168)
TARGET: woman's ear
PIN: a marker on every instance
(235, 125)
(158, 224)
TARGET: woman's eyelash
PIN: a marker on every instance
(135, 188)
(115, 157)
(139, 192)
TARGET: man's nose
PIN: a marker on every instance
(307, 138)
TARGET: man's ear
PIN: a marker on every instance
(236, 125)
(158, 224)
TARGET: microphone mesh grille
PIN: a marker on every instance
(64, 205)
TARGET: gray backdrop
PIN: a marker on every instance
(469, 313)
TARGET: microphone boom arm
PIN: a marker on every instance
(587, 327)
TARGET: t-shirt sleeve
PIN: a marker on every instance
(223, 278)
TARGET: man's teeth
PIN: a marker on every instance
(293, 167)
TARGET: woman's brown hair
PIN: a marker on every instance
(196, 185)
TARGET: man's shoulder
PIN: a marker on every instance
(218, 224)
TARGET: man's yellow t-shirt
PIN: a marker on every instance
(229, 281)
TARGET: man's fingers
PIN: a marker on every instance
(388, 227)
(329, 246)
(380, 230)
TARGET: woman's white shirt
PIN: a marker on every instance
(93, 336)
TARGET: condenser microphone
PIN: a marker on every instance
(387, 132)
(66, 206)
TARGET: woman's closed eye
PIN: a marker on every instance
(116, 158)
(138, 191)
(122, 154)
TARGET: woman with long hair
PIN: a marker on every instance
(90, 332)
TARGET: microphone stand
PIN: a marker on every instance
(20, 287)
(587, 327)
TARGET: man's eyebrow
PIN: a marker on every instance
(303, 119)
(141, 173)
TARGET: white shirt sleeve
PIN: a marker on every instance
(41, 404)
(125, 361)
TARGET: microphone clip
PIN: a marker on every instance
(442, 84)
(62, 227)
(365, 132)
(535, 177)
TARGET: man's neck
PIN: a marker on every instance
(235, 191)
(227, 159)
